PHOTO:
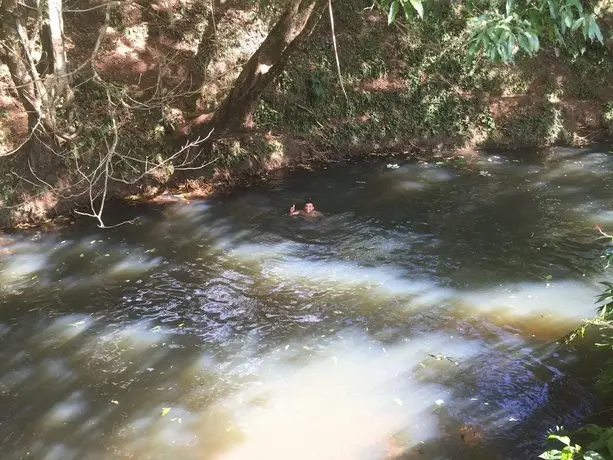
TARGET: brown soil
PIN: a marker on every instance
(13, 117)
(385, 84)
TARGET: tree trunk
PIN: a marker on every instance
(40, 94)
(60, 84)
(235, 112)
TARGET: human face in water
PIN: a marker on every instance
(309, 208)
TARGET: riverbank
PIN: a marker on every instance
(410, 91)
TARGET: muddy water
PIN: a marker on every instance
(417, 319)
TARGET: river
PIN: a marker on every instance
(418, 319)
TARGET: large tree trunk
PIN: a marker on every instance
(235, 112)
(59, 85)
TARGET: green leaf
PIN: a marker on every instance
(534, 41)
(567, 453)
(563, 439)
(568, 20)
(552, 9)
(393, 12)
(165, 410)
(591, 455)
(408, 11)
(598, 34)
(577, 4)
(577, 24)
(511, 45)
(473, 48)
(419, 7)
(524, 43)
(551, 455)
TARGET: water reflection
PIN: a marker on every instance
(417, 320)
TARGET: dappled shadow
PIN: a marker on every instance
(414, 86)
(217, 326)
(119, 387)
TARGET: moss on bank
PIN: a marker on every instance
(419, 88)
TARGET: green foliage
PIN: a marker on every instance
(540, 124)
(568, 452)
(500, 33)
(598, 441)
(408, 8)
(414, 83)
(602, 440)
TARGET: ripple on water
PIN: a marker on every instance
(424, 306)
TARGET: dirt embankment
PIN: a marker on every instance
(169, 62)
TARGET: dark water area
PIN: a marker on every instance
(419, 318)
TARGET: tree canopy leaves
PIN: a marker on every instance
(500, 30)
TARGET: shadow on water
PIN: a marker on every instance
(418, 319)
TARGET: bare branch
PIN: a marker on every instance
(604, 234)
(185, 165)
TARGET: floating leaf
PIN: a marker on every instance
(165, 410)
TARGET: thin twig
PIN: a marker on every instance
(604, 235)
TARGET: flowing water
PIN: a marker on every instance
(419, 318)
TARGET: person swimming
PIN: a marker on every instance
(308, 211)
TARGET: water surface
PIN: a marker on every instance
(418, 319)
